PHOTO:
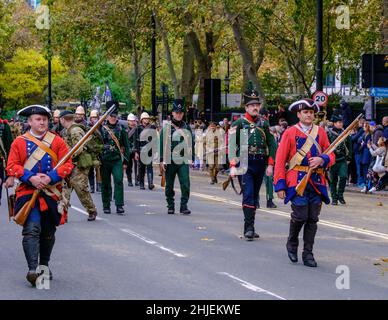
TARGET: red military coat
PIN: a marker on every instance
(292, 140)
(20, 151)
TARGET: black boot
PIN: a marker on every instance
(31, 238)
(98, 189)
(130, 184)
(150, 177)
(120, 210)
(107, 210)
(92, 188)
(310, 229)
(342, 201)
(293, 240)
(249, 222)
(46, 247)
(171, 211)
(184, 210)
(270, 204)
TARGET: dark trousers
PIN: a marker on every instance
(338, 175)
(132, 165)
(251, 181)
(38, 241)
(305, 212)
(182, 170)
(142, 171)
(114, 169)
(2, 177)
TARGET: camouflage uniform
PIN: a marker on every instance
(79, 176)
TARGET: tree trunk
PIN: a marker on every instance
(246, 54)
(189, 77)
(136, 64)
(204, 58)
(169, 62)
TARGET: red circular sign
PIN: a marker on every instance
(320, 98)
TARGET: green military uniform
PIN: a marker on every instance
(339, 171)
(5, 145)
(261, 152)
(83, 161)
(173, 167)
(112, 164)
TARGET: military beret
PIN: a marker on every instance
(251, 97)
(178, 105)
(66, 113)
(34, 109)
(304, 104)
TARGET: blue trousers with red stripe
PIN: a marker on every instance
(251, 181)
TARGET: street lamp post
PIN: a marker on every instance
(319, 72)
(49, 57)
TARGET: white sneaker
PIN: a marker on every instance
(372, 189)
(363, 190)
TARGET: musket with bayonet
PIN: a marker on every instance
(340, 139)
(22, 215)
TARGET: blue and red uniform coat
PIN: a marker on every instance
(21, 149)
(292, 140)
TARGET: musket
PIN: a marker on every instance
(230, 181)
(22, 215)
(341, 138)
(11, 204)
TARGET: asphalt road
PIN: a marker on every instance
(148, 254)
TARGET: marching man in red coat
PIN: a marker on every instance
(301, 148)
(31, 160)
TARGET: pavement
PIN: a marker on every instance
(148, 254)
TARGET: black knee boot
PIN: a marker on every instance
(46, 247)
(310, 229)
(293, 239)
(31, 237)
(249, 223)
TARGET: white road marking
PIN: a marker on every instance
(251, 286)
(287, 215)
(153, 243)
(85, 213)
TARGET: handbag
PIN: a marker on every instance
(378, 167)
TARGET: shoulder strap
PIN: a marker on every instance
(114, 138)
(43, 148)
(302, 152)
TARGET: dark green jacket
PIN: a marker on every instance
(111, 152)
(173, 144)
(260, 139)
(344, 150)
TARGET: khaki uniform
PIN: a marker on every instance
(79, 176)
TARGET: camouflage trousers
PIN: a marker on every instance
(80, 183)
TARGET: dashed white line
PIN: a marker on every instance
(251, 286)
(153, 243)
(287, 215)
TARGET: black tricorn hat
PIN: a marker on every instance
(178, 105)
(34, 109)
(251, 97)
(304, 104)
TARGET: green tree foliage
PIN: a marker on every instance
(25, 77)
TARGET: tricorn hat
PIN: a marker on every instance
(304, 104)
(34, 109)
